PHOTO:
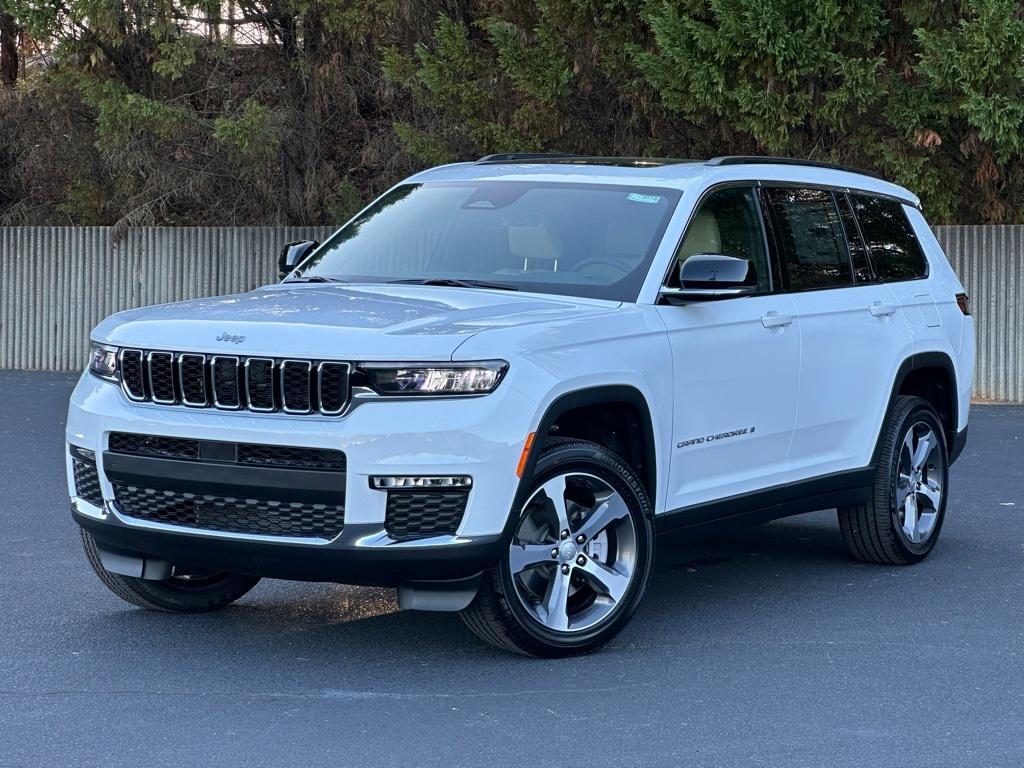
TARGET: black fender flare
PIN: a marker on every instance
(913, 363)
(608, 393)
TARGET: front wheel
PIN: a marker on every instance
(579, 560)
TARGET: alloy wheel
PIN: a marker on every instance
(919, 483)
(574, 554)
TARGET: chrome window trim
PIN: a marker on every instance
(320, 388)
(284, 399)
(149, 376)
(181, 380)
(245, 366)
(124, 386)
(213, 380)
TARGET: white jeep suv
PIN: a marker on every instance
(494, 385)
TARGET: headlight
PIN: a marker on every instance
(435, 379)
(103, 361)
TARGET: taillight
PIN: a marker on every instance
(964, 302)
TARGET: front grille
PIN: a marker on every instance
(417, 514)
(252, 454)
(260, 384)
(236, 515)
(87, 481)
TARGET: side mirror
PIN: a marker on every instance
(293, 254)
(712, 277)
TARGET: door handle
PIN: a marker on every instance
(775, 320)
(878, 309)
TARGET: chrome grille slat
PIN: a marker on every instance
(192, 378)
(295, 386)
(224, 370)
(259, 384)
(133, 377)
(231, 382)
(160, 370)
(332, 383)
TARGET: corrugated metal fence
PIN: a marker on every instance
(990, 262)
(56, 283)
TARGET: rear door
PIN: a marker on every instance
(852, 335)
(735, 365)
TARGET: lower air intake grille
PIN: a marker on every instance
(417, 514)
(87, 481)
(290, 456)
(255, 454)
(154, 445)
(234, 515)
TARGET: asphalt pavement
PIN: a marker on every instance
(762, 647)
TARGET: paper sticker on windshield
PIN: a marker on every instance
(636, 197)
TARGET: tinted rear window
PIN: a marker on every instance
(895, 252)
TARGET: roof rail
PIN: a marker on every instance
(764, 160)
(570, 159)
(524, 157)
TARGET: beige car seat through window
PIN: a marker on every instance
(702, 237)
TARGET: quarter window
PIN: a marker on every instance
(811, 240)
(895, 252)
(729, 224)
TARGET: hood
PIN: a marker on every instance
(337, 321)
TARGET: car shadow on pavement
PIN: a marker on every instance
(289, 628)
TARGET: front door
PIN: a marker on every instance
(735, 364)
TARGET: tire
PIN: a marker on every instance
(877, 531)
(603, 576)
(178, 594)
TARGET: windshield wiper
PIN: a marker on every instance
(452, 282)
(316, 279)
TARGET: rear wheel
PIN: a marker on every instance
(901, 521)
(579, 561)
(187, 591)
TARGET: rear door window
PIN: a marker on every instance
(895, 252)
(810, 239)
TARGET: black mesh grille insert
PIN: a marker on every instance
(132, 374)
(295, 385)
(290, 456)
(225, 382)
(255, 454)
(416, 514)
(87, 481)
(193, 379)
(333, 386)
(161, 377)
(154, 445)
(236, 515)
(259, 384)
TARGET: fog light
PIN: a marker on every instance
(417, 482)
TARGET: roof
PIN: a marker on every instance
(665, 172)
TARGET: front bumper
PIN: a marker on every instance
(481, 437)
(362, 554)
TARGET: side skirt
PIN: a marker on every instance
(838, 489)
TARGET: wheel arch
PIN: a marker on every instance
(931, 376)
(588, 400)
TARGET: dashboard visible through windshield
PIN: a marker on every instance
(587, 240)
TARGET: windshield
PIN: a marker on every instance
(583, 240)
